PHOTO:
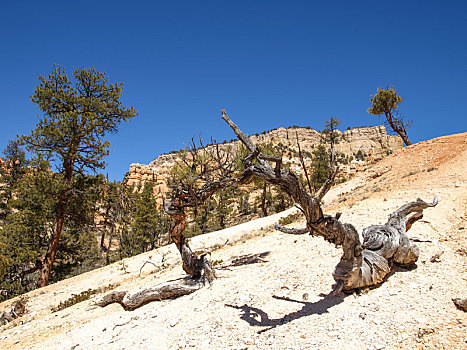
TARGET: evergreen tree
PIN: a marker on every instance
(15, 166)
(25, 230)
(111, 212)
(386, 101)
(149, 224)
(128, 244)
(319, 167)
(77, 116)
(78, 251)
(25, 234)
(281, 201)
(225, 200)
(321, 160)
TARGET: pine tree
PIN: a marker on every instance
(319, 167)
(386, 101)
(25, 230)
(78, 114)
(15, 166)
(148, 222)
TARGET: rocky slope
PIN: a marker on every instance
(269, 286)
(372, 141)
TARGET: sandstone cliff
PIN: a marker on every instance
(372, 141)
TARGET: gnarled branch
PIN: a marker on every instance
(361, 265)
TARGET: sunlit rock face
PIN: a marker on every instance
(373, 142)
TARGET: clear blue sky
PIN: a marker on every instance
(269, 63)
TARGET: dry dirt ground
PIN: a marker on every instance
(270, 288)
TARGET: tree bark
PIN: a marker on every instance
(367, 264)
(361, 265)
(398, 126)
(49, 257)
(131, 300)
(405, 139)
(196, 267)
(263, 200)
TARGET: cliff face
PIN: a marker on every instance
(372, 141)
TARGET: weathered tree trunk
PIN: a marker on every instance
(49, 258)
(263, 200)
(196, 267)
(131, 300)
(361, 265)
(405, 139)
(367, 264)
(398, 126)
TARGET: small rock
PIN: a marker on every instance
(305, 296)
(173, 322)
(461, 304)
(436, 257)
(248, 341)
(362, 315)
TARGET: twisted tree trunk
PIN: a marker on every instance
(367, 264)
(361, 265)
(198, 267)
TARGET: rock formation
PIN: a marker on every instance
(372, 141)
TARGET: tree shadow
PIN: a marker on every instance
(256, 317)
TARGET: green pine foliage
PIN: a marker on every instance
(386, 102)
(134, 218)
(319, 167)
(25, 230)
(78, 113)
(149, 222)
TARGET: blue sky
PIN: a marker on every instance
(269, 63)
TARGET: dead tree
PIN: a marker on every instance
(204, 171)
(361, 265)
(200, 173)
